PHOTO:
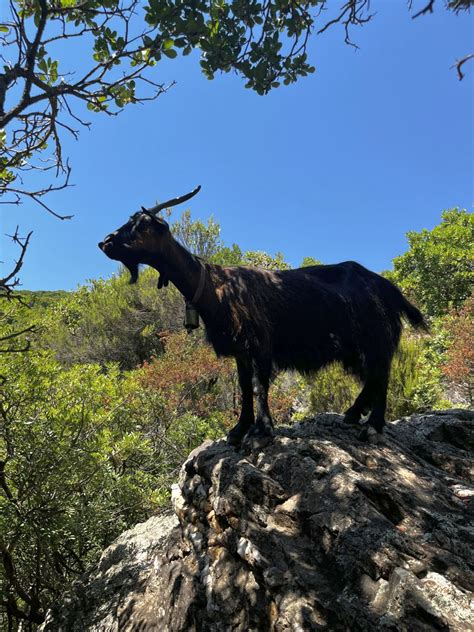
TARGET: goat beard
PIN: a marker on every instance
(129, 261)
(133, 269)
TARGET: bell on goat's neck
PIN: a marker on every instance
(191, 318)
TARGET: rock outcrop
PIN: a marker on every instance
(317, 531)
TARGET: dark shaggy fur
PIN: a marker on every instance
(305, 319)
(298, 319)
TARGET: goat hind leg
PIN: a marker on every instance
(261, 433)
(376, 420)
(361, 406)
(246, 418)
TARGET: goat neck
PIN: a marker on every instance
(184, 270)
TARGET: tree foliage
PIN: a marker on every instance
(458, 364)
(199, 238)
(88, 451)
(260, 259)
(437, 271)
(63, 496)
(119, 42)
(113, 321)
(12, 339)
(310, 261)
(414, 386)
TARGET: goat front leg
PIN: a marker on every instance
(261, 433)
(246, 419)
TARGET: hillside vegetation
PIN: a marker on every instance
(100, 413)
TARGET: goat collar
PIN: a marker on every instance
(200, 287)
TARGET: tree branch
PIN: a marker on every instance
(459, 64)
(6, 286)
(427, 9)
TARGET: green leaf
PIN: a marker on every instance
(168, 43)
(171, 53)
(53, 72)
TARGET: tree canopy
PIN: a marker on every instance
(437, 270)
(120, 41)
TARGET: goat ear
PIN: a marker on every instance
(159, 221)
(163, 225)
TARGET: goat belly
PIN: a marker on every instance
(306, 358)
(222, 344)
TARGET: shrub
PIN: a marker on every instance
(415, 382)
(458, 364)
(331, 389)
(73, 473)
(192, 377)
(112, 321)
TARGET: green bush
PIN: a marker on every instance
(73, 474)
(112, 321)
(415, 383)
(85, 453)
(331, 390)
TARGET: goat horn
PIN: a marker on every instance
(174, 201)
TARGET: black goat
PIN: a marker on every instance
(299, 319)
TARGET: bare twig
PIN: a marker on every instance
(10, 281)
(426, 9)
(46, 93)
(459, 64)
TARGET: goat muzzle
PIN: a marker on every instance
(104, 245)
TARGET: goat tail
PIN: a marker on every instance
(413, 314)
(402, 306)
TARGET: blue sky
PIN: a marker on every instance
(338, 166)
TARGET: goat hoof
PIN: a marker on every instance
(235, 436)
(370, 435)
(255, 439)
(351, 418)
(233, 441)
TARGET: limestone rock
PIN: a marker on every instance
(317, 531)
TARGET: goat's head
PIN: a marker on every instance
(143, 240)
